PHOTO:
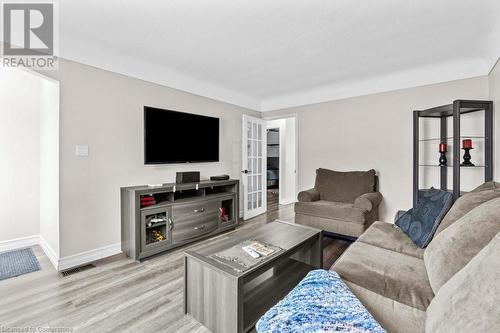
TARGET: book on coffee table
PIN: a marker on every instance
(261, 248)
(239, 260)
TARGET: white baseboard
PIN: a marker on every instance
(64, 263)
(49, 252)
(83, 258)
(19, 243)
(287, 202)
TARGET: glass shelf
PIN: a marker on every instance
(451, 138)
(451, 166)
(155, 225)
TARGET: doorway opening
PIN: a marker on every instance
(273, 168)
(281, 163)
(29, 142)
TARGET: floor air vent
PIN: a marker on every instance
(73, 271)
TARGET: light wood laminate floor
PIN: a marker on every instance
(118, 295)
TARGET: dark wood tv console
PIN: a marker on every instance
(157, 219)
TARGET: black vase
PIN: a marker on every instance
(442, 159)
(467, 157)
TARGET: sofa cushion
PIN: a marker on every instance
(420, 222)
(394, 316)
(331, 210)
(470, 300)
(344, 186)
(453, 248)
(394, 275)
(390, 237)
(491, 185)
(469, 201)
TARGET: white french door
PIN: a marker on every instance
(254, 164)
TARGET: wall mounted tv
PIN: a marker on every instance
(178, 137)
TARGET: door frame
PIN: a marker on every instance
(296, 117)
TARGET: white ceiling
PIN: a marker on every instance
(268, 55)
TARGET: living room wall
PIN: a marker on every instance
(104, 110)
(373, 131)
(20, 151)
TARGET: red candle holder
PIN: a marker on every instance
(467, 143)
(467, 146)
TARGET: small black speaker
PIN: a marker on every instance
(220, 177)
(187, 177)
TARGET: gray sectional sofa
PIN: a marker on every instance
(453, 285)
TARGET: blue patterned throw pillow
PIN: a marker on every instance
(321, 302)
(420, 222)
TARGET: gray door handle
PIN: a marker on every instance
(201, 227)
(246, 171)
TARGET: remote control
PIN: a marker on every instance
(251, 252)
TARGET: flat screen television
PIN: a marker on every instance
(178, 137)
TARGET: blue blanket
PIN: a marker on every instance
(321, 302)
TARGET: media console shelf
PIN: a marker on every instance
(157, 219)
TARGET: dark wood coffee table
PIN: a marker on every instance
(225, 300)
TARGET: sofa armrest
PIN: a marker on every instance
(368, 201)
(309, 195)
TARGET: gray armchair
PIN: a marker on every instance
(344, 203)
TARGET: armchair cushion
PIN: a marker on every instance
(368, 201)
(331, 210)
(344, 186)
(309, 195)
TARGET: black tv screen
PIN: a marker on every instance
(178, 137)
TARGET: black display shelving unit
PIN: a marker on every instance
(455, 110)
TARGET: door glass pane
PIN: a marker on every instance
(249, 130)
(259, 185)
(254, 200)
(260, 200)
(254, 131)
(250, 184)
(249, 168)
(260, 165)
(255, 169)
(259, 148)
(249, 201)
(260, 132)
